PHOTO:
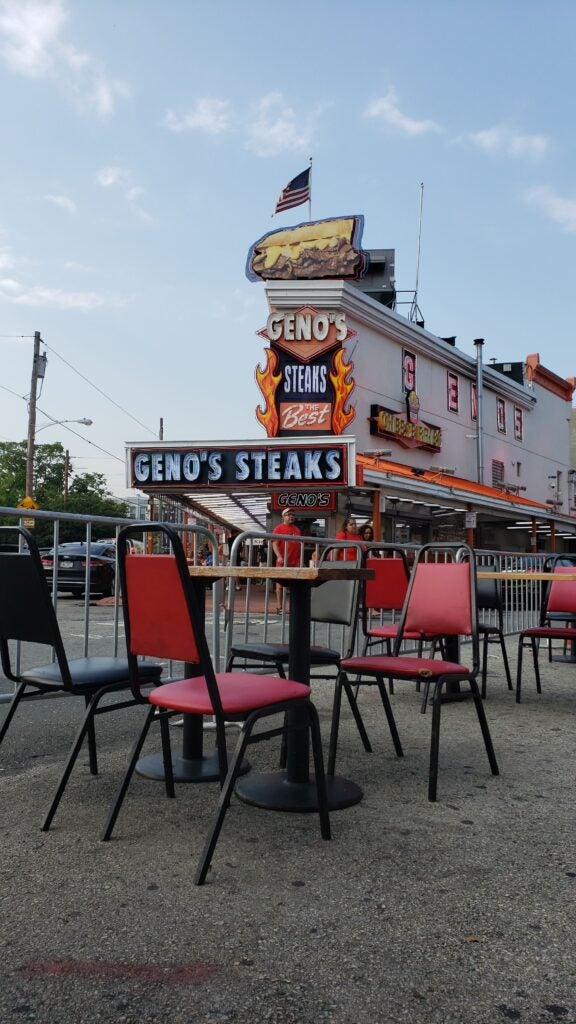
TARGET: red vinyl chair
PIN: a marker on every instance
(162, 613)
(559, 604)
(386, 592)
(440, 602)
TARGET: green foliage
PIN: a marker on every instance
(87, 492)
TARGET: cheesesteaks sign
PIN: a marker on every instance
(306, 382)
(249, 465)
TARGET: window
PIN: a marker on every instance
(453, 392)
(497, 473)
(473, 401)
(408, 371)
(501, 415)
(518, 424)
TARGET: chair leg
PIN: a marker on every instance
(535, 652)
(357, 716)
(92, 756)
(519, 669)
(224, 801)
(319, 772)
(18, 694)
(505, 660)
(390, 717)
(86, 729)
(425, 696)
(136, 750)
(484, 664)
(167, 755)
(484, 726)
(336, 705)
(435, 741)
(221, 747)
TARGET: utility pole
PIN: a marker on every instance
(38, 368)
(66, 474)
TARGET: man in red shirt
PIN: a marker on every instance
(287, 553)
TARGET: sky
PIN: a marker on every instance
(144, 146)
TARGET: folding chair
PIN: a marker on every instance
(385, 593)
(162, 614)
(489, 598)
(559, 604)
(27, 615)
(333, 604)
(441, 602)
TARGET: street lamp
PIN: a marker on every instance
(55, 423)
(85, 422)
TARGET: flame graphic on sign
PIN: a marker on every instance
(343, 386)
(268, 381)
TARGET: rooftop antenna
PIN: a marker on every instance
(415, 316)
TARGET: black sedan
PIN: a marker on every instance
(71, 568)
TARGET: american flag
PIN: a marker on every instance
(296, 192)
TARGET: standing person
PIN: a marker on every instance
(349, 531)
(287, 552)
(367, 534)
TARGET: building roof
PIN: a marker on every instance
(452, 490)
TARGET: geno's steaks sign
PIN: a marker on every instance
(317, 464)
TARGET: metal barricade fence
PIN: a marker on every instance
(244, 611)
(89, 642)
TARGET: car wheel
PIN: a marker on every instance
(108, 590)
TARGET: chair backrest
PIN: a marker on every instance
(562, 593)
(334, 602)
(163, 616)
(441, 599)
(488, 595)
(387, 591)
(26, 610)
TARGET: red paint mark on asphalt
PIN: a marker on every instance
(183, 974)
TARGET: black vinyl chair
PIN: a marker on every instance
(489, 598)
(27, 615)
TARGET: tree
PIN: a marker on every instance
(87, 495)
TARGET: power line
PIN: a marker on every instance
(99, 390)
(66, 427)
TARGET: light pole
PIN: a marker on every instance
(84, 421)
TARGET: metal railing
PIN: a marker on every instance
(253, 617)
(197, 538)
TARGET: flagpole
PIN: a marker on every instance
(310, 193)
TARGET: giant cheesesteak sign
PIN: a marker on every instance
(306, 382)
(244, 466)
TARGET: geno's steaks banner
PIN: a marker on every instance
(320, 462)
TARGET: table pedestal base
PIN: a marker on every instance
(274, 792)
(201, 769)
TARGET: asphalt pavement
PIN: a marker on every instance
(458, 911)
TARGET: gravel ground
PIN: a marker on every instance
(459, 911)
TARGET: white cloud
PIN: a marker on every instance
(277, 129)
(52, 298)
(208, 115)
(74, 265)
(386, 109)
(29, 32)
(111, 177)
(557, 208)
(32, 43)
(63, 202)
(7, 260)
(103, 94)
(108, 176)
(508, 141)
